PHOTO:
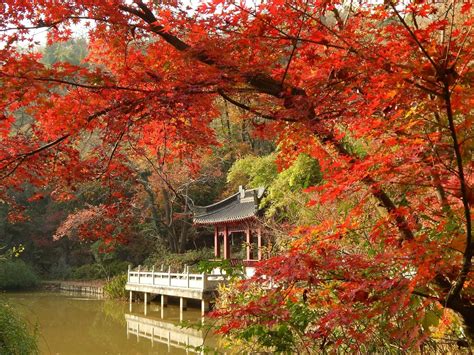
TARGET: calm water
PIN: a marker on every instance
(74, 324)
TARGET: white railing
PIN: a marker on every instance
(185, 279)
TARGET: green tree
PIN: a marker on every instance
(285, 200)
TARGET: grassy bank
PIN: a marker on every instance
(17, 275)
(16, 335)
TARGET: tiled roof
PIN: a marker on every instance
(236, 208)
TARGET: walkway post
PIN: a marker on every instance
(182, 307)
(169, 275)
(146, 301)
(187, 276)
(164, 302)
(128, 273)
(204, 307)
(130, 305)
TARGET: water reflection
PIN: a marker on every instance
(171, 335)
(162, 325)
(71, 324)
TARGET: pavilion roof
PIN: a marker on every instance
(239, 207)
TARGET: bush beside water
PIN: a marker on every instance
(15, 338)
(17, 275)
(115, 288)
(97, 271)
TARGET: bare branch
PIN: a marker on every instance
(415, 38)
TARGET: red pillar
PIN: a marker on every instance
(217, 244)
(259, 243)
(226, 243)
(249, 247)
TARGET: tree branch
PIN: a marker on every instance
(415, 38)
(266, 84)
(21, 157)
(468, 252)
(66, 82)
(250, 109)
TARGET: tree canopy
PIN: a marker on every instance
(379, 93)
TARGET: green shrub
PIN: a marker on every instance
(16, 275)
(115, 288)
(60, 270)
(15, 339)
(88, 272)
(116, 267)
(178, 261)
(99, 271)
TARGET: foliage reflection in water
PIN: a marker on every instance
(76, 325)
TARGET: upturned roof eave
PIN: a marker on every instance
(218, 202)
(231, 197)
(227, 221)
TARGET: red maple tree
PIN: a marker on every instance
(380, 93)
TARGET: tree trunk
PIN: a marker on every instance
(466, 311)
(152, 198)
(183, 236)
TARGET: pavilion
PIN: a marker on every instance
(236, 222)
(233, 218)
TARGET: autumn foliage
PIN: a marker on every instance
(380, 94)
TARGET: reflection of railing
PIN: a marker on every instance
(165, 333)
(201, 281)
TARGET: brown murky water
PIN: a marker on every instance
(80, 325)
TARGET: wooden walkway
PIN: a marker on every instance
(184, 285)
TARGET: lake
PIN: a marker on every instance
(71, 324)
